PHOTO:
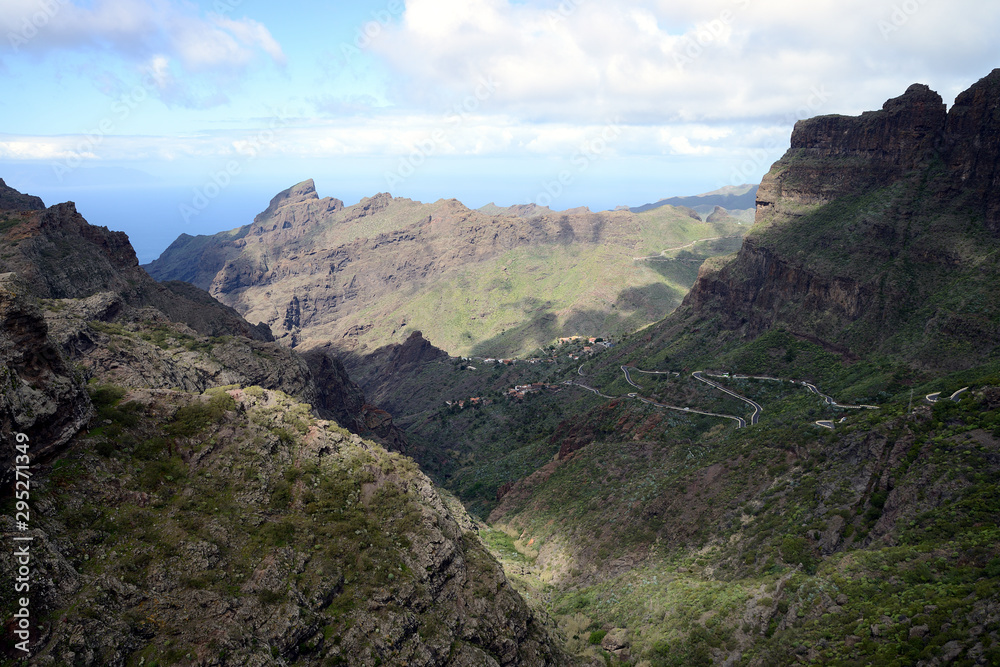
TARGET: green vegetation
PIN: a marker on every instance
(783, 539)
(212, 493)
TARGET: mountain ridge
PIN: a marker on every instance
(366, 275)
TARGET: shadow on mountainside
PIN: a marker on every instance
(630, 309)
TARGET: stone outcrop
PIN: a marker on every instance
(360, 562)
(40, 394)
(12, 200)
(850, 238)
(833, 156)
(342, 399)
(61, 256)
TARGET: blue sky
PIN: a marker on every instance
(166, 116)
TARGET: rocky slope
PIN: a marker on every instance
(874, 234)
(494, 280)
(109, 317)
(193, 506)
(41, 395)
(235, 529)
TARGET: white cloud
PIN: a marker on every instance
(663, 61)
(160, 34)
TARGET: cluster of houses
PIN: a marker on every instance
(471, 402)
(522, 390)
(590, 346)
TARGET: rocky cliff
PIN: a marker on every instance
(194, 505)
(109, 317)
(234, 529)
(367, 275)
(874, 233)
(41, 395)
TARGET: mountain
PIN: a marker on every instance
(191, 501)
(730, 197)
(852, 517)
(492, 283)
(875, 235)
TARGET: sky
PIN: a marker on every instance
(161, 117)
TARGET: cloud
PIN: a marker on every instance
(665, 61)
(158, 36)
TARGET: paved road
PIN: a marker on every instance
(628, 378)
(757, 410)
(583, 386)
(829, 399)
(740, 422)
(681, 247)
(936, 396)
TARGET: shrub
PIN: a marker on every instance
(597, 636)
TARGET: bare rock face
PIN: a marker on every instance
(857, 228)
(972, 145)
(12, 200)
(40, 394)
(343, 400)
(61, 256)
(831, 156)
(357, 561)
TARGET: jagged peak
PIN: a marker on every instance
(298, 193)
(917, 95)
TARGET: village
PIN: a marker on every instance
(582, 347)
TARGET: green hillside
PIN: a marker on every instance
(482, 283)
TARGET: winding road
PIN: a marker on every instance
(936, 396)
(740, 421)
(829, 400)
(660, 257)
(757, 410)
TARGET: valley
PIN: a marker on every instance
(399, 433)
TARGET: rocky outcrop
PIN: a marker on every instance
(342, 399)
(833, 156)
(414, 351)
(12, 200)
(718, 214)
(855, 233)
(61, 256)
(329, 551)
(40, 394)
(972, 146)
